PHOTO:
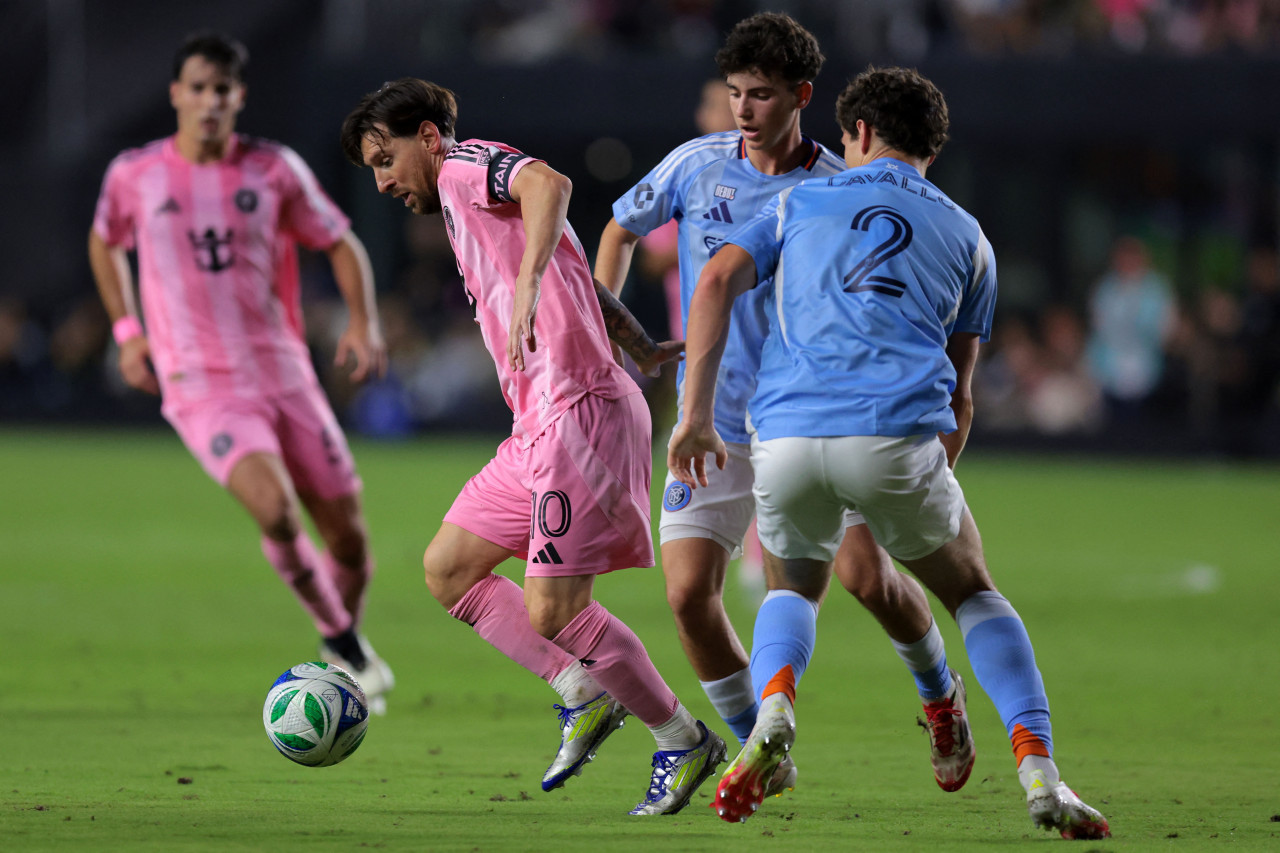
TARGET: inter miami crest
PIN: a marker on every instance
(246, 201)
(220, 444)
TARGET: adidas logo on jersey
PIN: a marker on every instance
(170, 206)
(547, 555)
(719, 213)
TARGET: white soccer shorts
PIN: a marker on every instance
(721, 510)
(903, 487)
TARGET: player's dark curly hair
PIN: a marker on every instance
(400, 107)
(773, 44)
(218, 49)
(904, 107)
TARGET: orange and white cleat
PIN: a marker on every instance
(742, 787)
(1055, 806)
(950, 738)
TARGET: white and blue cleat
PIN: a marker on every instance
(678, 773)
(582, 730)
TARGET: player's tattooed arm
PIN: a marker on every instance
(625, 331)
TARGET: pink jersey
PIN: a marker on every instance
(573, 357)
(217, 262)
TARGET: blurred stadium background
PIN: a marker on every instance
(1117, 152)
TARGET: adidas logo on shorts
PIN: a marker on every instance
(547, 554)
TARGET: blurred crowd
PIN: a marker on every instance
(1114, 352)
(1132, 365)
(530, 31)
(1136, 364)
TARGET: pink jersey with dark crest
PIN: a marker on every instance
(573, 356)
(217, 262)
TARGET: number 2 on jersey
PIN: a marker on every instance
(859, 278)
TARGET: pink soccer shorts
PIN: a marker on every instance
(576, 501)
(298, 426)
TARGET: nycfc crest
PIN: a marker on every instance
(677, 496)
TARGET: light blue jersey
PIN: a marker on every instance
(873, 269)
(710, 187)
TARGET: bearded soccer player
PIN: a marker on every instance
(711, 186)
(214, 217)
(569, 489)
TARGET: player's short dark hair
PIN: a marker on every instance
(773, 44)
(400, 107)
(221, 50)
(904, 107)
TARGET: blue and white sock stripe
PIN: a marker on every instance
(981, 607)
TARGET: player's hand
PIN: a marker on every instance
(135, 365)
(364, 343)
(667, 351)
(522, 314)
(687, 453)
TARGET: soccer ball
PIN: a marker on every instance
(315, 714)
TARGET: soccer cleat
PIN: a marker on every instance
(582, 730)
(678, 773)
(1055, 806)
(375, 677)
(743, 786)
(783, 779)
(950, 738)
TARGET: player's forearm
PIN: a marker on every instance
(613, 258)
(111, 274)
(354, 276)
(729, 274)
(962, 350)
(706, 335)
(623, 328)
(954, 442)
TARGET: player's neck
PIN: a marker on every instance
(200, 151)
(879, 153)
(789, 154)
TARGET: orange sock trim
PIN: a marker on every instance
(783, 681)
(1025, 743)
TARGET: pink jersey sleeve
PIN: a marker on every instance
(307, 213)
(113, 219)
(486, 230)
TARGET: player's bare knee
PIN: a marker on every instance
(448, 578)
(870, 590)
(278, 518)
(690, 603)
(349, 546)
(437, 573)
(548, 617)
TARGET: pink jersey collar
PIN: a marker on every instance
(234, 145)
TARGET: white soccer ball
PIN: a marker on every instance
(315, 714)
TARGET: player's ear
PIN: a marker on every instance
(864, 136)
(429, 135)
(173, 93)
(804, 94)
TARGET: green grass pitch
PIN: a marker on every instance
(140, 629)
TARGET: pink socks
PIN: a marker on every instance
(298, 564)
(617, 659)
(495, 609)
